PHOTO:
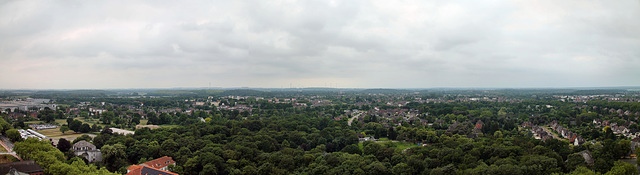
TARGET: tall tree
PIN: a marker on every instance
(14, 135)
(5, 125)
(64, 128)
(75, 125)
(392, 134)
(113, 156)
(85, 128)
(64, 145)
(52, 160)
(107, 117)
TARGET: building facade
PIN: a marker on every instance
(87, 150)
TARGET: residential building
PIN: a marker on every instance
(87, 150)
(159, 166)
(23, 167)
(146, 170)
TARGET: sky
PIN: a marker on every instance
(346, 44)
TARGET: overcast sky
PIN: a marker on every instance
(355, 44)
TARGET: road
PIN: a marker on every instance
(554, 135)
(8, 145)
(354, 117)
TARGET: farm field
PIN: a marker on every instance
(55, 135)
(82, 119)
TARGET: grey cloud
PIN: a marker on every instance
(312, 43)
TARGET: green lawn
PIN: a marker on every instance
(61, 121)
(143, 121)
(95, 121)
(33, 122)
(91, 121)
(53, 132)
(168, 126)
(83, 120)
(395, 145)
(64, 121)
(404, 145)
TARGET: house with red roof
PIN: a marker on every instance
(157, 166)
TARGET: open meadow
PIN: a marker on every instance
(55, 135)
(64, 121)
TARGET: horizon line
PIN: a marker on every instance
(406, 88)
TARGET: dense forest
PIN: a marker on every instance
(278, 138)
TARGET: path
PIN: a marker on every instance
(8, 146)
(6, 143)
(354, 117)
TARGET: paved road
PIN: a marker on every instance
(8, 145)
(354, 117)
(554, 135)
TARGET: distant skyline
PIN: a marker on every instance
(344, 44)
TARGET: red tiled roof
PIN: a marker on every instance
(134, 171)
(146, 170)
(160, 162)
(132, 167)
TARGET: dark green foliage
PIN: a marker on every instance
(113, 156)
(63, 145)
(392, 134)
(83, 137)
(13, 134)
(47, 115)
(352, 149)
(52, 160)
(277, 138)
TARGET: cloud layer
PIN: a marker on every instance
(408, 44)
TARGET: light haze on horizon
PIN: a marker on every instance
(344, 44)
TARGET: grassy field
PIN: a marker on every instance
(404, 145)
(64, 121)
(2, 149)
(33, 122)
(168, 126)
(144, 121)
(56, 135)
(51, 133)
(395, 145)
